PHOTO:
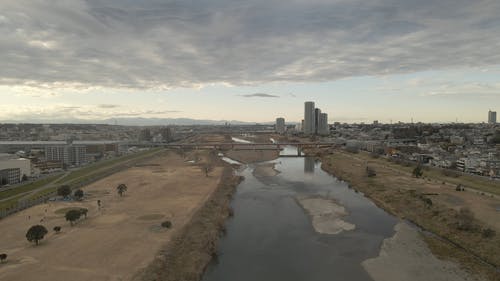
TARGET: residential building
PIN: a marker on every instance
(10, 176)
(280, 125)
(72, 155)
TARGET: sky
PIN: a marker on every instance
(250, 60)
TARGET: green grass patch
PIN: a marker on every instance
(10, 203)
(92, 168)
(28, 187)
(63, 211)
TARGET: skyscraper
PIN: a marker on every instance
(317, 116)
(309, 120)
(323, 128)
(492, 117)
(280, 125)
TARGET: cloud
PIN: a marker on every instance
(164, 44)
(89, 112)
(260, 95)
(108, 105)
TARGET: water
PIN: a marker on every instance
(270, 236)
(240, 140)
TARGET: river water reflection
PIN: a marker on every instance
(271, 237)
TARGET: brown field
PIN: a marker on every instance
(116, 241)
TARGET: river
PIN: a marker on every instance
(271, 236)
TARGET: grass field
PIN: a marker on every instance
(28, 187)
(73, 178)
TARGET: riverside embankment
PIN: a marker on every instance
(432, 205)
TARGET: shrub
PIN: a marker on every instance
(3, 257)
(450, 173)
(370, 172)
(465, 220)
(57, 229)
(78, 194)
(64, 191)
(488, 233)
(417, 172)
(427, 201)
(166, 224)
(73, 215)
(352, 149)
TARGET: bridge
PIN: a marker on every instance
(246, 146)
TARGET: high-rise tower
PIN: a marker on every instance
(492, 117)
(309, 118)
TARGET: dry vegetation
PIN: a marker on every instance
(466, 220)
(124, 234)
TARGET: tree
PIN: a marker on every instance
(64, 191)
(121, 188)
(370, 172)
(73, 215)
(166, 224)
(78, 194)
(84, 212)
(417, 172)
(3, 257)
(57, 229)
(207, 169)
(36, 233)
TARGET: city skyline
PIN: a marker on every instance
(435, 61)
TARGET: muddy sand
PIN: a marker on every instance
(326, 215)
(405, 256)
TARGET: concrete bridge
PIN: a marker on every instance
(247, 146)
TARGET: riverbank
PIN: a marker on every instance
(405, 256)
(187, 255)
(427, 204)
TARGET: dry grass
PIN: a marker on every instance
(398, 192)
(186, 257)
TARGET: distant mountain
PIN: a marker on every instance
(139, 121)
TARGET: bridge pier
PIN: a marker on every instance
(299, 150)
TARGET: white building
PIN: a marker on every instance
(73, 155)
(309, 120)
(280, 125)
(11, 166)
(492, 117)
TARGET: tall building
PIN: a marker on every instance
(323, 128)
(492, 117)
(317, 116)
(280, 125)
(309, 120)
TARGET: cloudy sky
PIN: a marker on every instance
(250, 60)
